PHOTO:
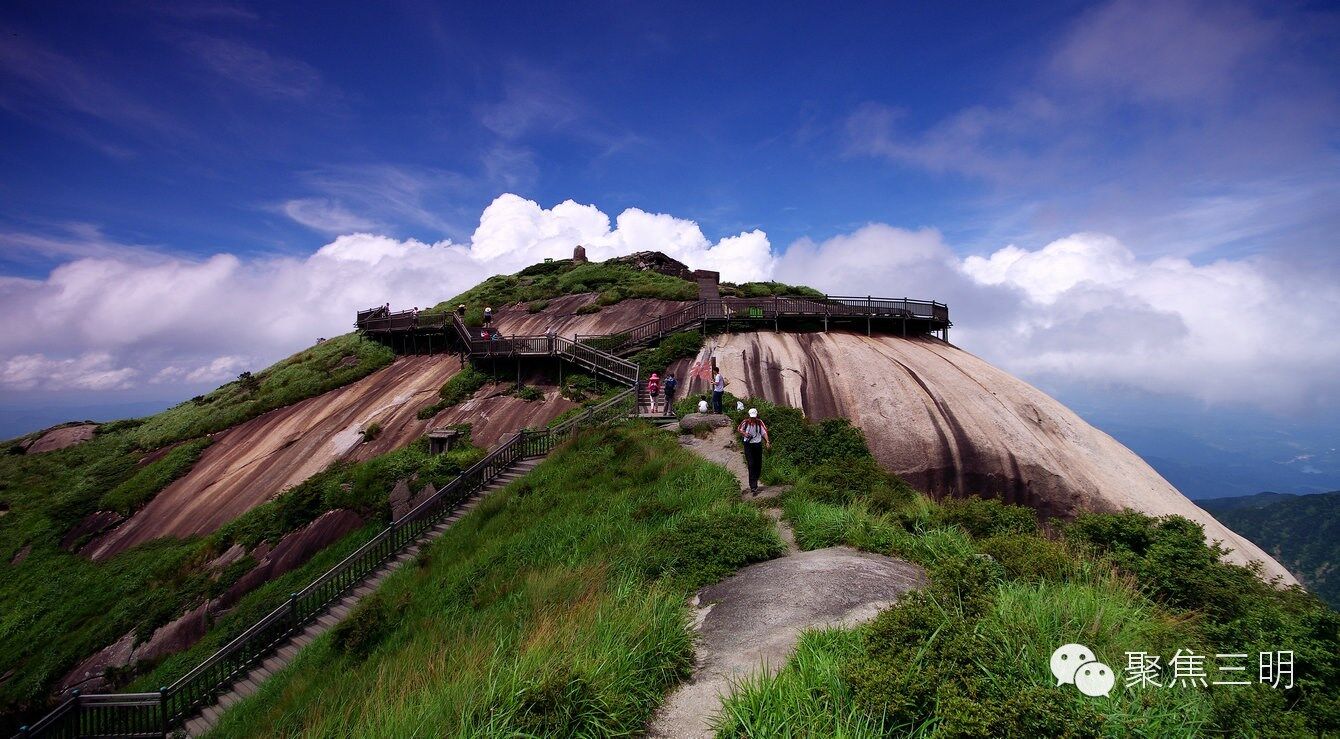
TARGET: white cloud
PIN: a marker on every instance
(217, 370)
(181, 321)
(1086, 309)
(325, 215)
(1083, 308)
(89, 371)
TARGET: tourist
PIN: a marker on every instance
(488, 316)
(460, 311)
(754, 433)
(669, 385)
(653, 389)
(718, 389)
(702, 405)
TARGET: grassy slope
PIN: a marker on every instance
(541, 282)
(1302, 532)
(556, 608)
(325, 366)
(44, 629)
(968, 657)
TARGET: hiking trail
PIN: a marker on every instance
(753, 619)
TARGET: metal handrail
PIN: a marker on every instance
(154, 714)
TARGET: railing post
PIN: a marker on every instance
(163, 708)
(293, 611)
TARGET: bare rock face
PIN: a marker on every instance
(293, 551)
(234, 553)
(175, 636)
(21, 555)
(251, 462)
(952, 424)
(399, 498)
(90, 525)
(90, 675)
(61, 437)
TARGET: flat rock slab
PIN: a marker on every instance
(751, 621)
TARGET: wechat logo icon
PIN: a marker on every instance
(1077, 665)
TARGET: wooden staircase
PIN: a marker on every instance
(251, 682)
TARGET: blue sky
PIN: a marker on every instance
(1064, 175)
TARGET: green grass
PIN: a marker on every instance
(551, 610)
(539, 283)
(131, 494)
(462, 385)
(250, 608)
(766, 289)
(674, 347)
(60, 607)
(808, 698)
(325, 366)
(968, 656)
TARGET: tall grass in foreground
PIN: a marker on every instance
(556, 608)
(808, 698)
(968, 656)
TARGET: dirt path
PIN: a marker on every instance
(751, 620)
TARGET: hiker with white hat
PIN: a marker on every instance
(754, 433)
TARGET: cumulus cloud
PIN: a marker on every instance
(89, 371)
(105, 322)
(1084, 308)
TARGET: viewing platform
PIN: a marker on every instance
(897, 316)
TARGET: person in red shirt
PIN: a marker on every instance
(653, 389)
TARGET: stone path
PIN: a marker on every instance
(751, 620)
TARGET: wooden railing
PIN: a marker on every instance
(722, 309)
(156, 714)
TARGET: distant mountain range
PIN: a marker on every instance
(1302, 532)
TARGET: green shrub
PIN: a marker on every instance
(854, 478)
(365, 626)
(529, 393)
(1030, 557)
(371, 431)
(535, 306)
(315, 370)
(578, 387)
(588, 309)
(462, 385)
(671, 348)
(983, 517)
(129, 495)
(701, 548)
(768, 289)
(564, 277)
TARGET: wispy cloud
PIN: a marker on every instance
(259, 71)
(325, 215)
(1154, 50)
(69, 241)
(1140, 115)
(203, 10)
(355, 195)
(45, 85)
